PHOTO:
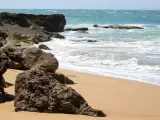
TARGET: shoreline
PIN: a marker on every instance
(108, 76)
(119, 99)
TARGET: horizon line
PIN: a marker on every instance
(71, 9)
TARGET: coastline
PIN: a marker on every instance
(110, 75)
(119, 99)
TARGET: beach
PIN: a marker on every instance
(119, 99)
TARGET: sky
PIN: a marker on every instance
(81, 4)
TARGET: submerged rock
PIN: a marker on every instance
(38, 91)
(118, 27)
(83, 29)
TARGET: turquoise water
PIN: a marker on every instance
(131, 54)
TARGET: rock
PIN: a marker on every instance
(118, 27)
(62, 78)
(3, 69)
(1, 24)
(95, 25)
(56, 35)
(37, 91)
(44, 47)
(30, 28)
(1, 44)
(92, 41)
(51, 23)
(20, 37)
(15, 65)
(3, 35)
(28, 57)
(77, 29)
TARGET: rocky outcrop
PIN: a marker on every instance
(38, 91)
(51, 23)
(31, 28)
(3, 69)
(33, 39)
(44, 47)
(82, 29)
(118, 27)
(26, 57)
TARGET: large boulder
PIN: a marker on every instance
(38, 91)
(27, 57)
(51, 23)
(3, 69)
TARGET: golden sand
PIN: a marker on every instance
(119, 99)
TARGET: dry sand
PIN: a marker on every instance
(119, 99)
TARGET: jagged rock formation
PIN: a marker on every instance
(39, 91)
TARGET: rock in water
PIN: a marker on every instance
(118, 27)
(37, 91)
(51, 23)
(83, 29)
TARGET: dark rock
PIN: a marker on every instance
(7, 84)
(51, 23)
(1, 24)
(3, 35)
(3, 69)
(95, 25)
(37, 91)
(57, 35)
(1, 44)
(15, 65)
(44, 47)
(3, 63)
(118, 27)
(36, 38)
(28, 57)
(62, 78)
(77, 29)
(92, 41)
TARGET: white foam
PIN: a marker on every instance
(112, 55)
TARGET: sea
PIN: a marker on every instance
(130, 54)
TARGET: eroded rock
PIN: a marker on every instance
(51, 23)
(37, 91)
(27, 57)
(3, 69)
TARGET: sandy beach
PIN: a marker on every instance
(119, 99)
